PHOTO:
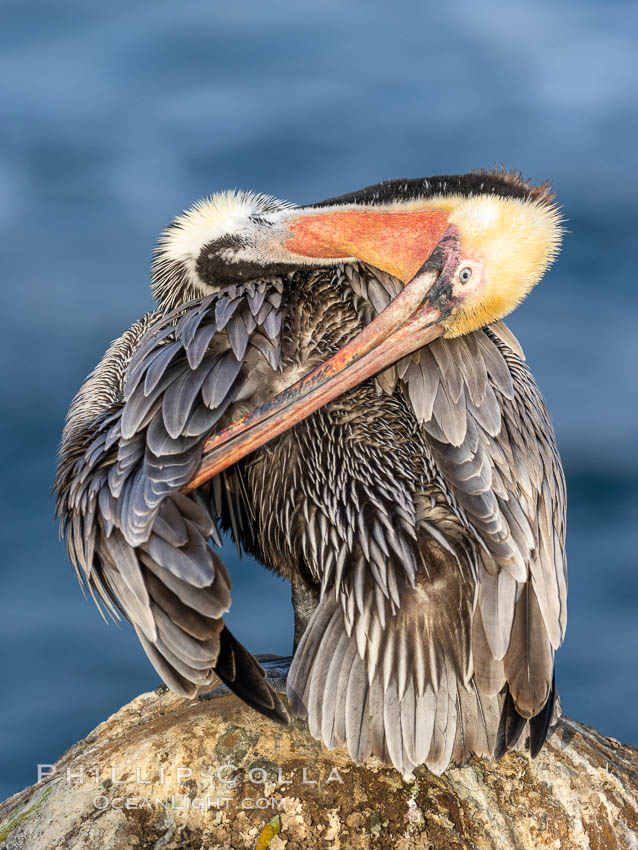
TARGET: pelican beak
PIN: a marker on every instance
(412, 320)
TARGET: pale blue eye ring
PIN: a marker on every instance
(465, 274)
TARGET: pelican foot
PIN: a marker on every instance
(275, 667)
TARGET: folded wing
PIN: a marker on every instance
(133, 439)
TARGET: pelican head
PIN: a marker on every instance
(502, 245)
(467, 249)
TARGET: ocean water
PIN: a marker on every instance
(116, 116)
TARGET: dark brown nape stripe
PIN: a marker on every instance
(507, 184)
(218, 270)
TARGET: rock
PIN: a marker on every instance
(174, 773)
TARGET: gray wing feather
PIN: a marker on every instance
(179, 397)
(496, 599)
(133, 584)
(220, 379)
(175, 681)
(211, 602)
(189, 562)
(489, 673)
(158, 368)
(189, 324)
(450, 416)
(238, 336)
(199, 344)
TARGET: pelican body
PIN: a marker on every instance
(334, 385)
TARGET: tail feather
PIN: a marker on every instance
(322, 662)
(444, 722)
(510, 728)
(331, 685)
(539, 725)
(357, 725)
(423, 725)
(243, 675)
(338, 705)
(529, 662)
(408, 706)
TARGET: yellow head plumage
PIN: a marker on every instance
(512, 241)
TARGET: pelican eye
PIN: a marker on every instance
(465, 274)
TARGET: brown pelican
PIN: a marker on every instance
(334, 385)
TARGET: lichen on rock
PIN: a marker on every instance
(165, 773)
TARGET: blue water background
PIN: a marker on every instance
(114, 116)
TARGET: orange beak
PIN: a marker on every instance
(421, 249)
(397, 242)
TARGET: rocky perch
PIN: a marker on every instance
(174, 773)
